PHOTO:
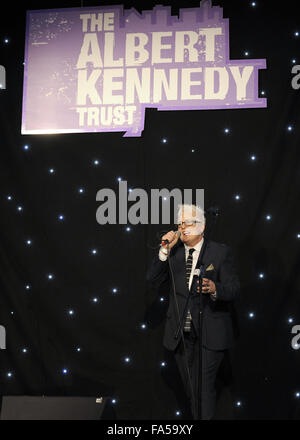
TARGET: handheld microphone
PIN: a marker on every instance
(164, 242)
(197, 276)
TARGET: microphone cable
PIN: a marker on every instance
(181, 332)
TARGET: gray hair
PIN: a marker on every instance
(195, 212)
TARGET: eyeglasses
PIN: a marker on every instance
(187, 223)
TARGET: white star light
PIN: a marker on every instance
(127, 360)
(61, 217)
(9, 374)
(51, 171)
(27, 287)
(143, 326)
(251, 315)
(253, 157)
(26, 147)
(226, 130)
(81, 190)
(239, 403)
(50, 276)
(298, 235)
(237, 197)
(71, 312)
(95, 300)
(9, 197)
(163, 364)
(290, 128)
(94, 251)
(115, 290)
(6, 40)
(96, 162)
(20, 208)
(28, 242)
(64, 371)
(164, 140)
(261, 275)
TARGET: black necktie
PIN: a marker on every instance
(189, 264)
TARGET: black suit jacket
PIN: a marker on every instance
(217, 330)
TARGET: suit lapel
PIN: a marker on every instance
(206, 255)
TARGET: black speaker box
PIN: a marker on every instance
(56, 408)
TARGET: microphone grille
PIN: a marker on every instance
(197, 272)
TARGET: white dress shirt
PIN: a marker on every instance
(195, 256)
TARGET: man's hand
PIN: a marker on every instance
(172, 237)
(208, 286)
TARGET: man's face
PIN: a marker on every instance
(190, 229)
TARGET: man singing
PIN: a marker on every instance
(206, 319)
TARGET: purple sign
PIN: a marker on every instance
(96, 69)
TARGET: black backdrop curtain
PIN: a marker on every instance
(105, 325)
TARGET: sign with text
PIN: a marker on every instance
(96, 69)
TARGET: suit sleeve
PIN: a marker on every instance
(158, 271)
(228, 285)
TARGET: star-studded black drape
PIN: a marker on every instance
(73, 295)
